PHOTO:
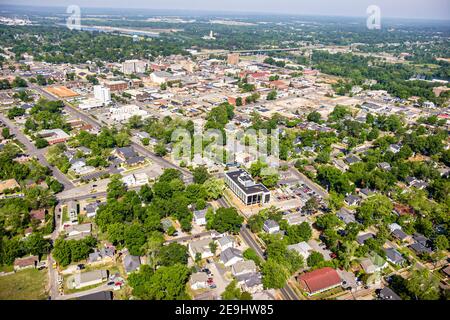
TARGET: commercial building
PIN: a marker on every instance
(116, 85)
(54, 136)
(243, 186)
(233, 58)
(134, 66)
(102, 94)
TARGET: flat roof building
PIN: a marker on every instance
(243, 186)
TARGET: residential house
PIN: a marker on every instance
(365, 192)
(384, 166)
(202, 247)
(198, 281)
(303, 249)
(200, 217)
(319, 280)
(131, 263)
(104, 254)
(271, 226)
(90, 278)
(395, 148)
(9, 184)
(243, 267)
(393, 256)
(352, 200)
(361, 239)
(25, 263)
(373, 263)
(346, 215)
(92, 208)
(387, 294)
(225, 242)
(352, 159)
(78, 231)
(231, 256)
(38, 215)
(400, 235)
(250, 282)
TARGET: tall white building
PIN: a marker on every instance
(102, 93)
(133, 66)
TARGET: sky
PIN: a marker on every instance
(412, 9)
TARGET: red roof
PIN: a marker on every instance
(319, 280)
(38, 214)
(25, 262)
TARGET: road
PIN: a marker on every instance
(287, 292)
(38, 153)
(97, 125)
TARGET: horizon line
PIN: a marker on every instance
(264, 13)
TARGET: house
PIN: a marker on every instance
(25, 263)
(103, 295)
(72, 210)
(243, 186)
(395, 148)
(303, 249)
(295, 219)
(78, 231)
(225, 242)
(231, 256)
(104, 254)
(136, 179)
(54, 136)
(387, 294)
(202, 247)
(131, 263)
(366, 192)
(352, 159)
(394, 226)
(393, 256)
(9, 184)
(346, 215)
(90, 278)
(271, 226)
(384, 166)
(402, 210)
(38, 214)
(250, 282)
(243, 267)
(319, 280)
(352, 200)
(125, 153)
(420, 249)
(373, 263)
(198, 281)
(361, 239)
(400, 235)
(200, 217)
(92, 208)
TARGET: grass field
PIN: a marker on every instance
(24, 285)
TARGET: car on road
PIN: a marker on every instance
(110, 283)
(213, 286)
(80, 266)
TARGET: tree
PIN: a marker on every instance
(441, 242)
(214, 188)
(274, 275)
(376, 207)
(232, 291)
(166, 283)
(250, 254)
(328, 221)
(311, 205)
(173, 253)
(314, 259)
(272, 95)
(41, 143)
(314, 117)
(200, 174)
(35, 244)
(116, 188)
(160, 149)
(423, 285)
(6, 133)
(299, 233)
(135, 238)
(225, 220)
(213, 247)
(146, 193)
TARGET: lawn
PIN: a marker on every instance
(24, 285)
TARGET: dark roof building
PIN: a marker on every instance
(243, 186)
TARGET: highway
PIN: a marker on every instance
(287, 292)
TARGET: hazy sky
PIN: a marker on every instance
(429, 9)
